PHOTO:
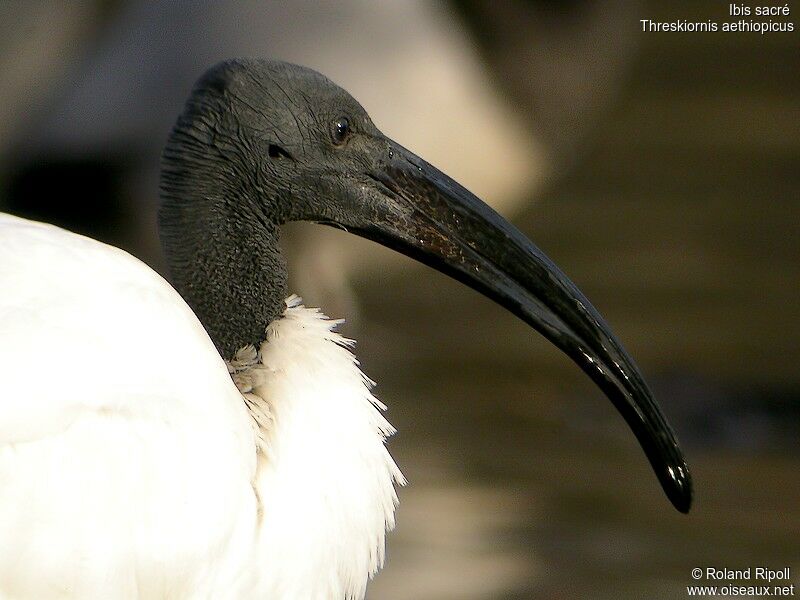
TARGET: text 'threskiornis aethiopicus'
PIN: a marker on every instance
(220, 441)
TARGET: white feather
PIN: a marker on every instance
(130, 465)
(325, 475)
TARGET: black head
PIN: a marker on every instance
(262, 143)
(285, 137)
(259, 143)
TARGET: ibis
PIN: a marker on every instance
(214, 437)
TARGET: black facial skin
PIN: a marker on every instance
(263, 143)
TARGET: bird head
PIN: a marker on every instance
(287, 144)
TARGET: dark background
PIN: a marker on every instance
(661, 171)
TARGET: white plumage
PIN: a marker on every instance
(130, 465)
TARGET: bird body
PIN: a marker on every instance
(216, 440)
(122, 429)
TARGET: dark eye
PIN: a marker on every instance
(341, 131)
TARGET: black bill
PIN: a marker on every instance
(434, 220)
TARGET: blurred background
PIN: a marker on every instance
(660, 171)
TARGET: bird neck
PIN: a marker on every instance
(221, 245)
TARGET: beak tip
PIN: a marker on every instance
(678, 486)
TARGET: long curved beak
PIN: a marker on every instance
(436, 221)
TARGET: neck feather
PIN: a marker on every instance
(324, 474)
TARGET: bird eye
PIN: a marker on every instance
(341, 131)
